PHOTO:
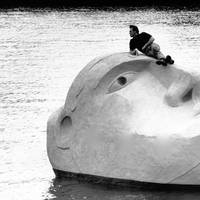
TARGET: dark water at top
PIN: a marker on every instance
(41, 52)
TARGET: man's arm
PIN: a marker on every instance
(132, 48)
(148, 43)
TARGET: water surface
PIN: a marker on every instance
(41, 52)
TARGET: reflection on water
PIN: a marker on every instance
(74, 190)
(41, 51)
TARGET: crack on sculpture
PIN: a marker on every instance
(73, 109)
(101, 59)
(95, 64)
(78, 94)
(188, 171)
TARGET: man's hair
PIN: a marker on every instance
(134, 28)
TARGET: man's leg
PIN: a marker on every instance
(153, 50)
(160, 55)
(156, 51)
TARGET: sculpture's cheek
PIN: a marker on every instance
(116, 111)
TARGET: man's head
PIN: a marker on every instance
(133, 30)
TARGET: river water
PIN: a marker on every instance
(41, 52)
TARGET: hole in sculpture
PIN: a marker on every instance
(122, 80)
(66, 123)
(63, 136)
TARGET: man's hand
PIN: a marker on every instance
(134, 52)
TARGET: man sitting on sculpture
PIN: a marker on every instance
(144, 42)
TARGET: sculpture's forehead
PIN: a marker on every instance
(96, 70)
(100, 69)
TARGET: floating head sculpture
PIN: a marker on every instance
(126, 117)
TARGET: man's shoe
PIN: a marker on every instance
(169, 60)
(161, 61)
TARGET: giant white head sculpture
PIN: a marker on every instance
(127, 118)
